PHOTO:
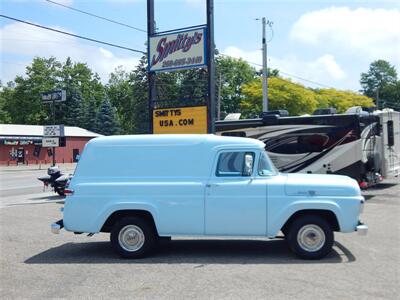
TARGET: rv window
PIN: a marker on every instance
(390, 133)
(234, 133)
(301, 143)
(312, 143)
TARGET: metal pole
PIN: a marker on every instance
(219, 97)
(377, 97)
(54, 123)
(264, 70)
(211, 66)
(150, 75)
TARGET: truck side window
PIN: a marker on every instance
(265, 166)
(234, 164)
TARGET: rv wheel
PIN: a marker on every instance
(133, 237)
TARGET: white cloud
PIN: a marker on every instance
(23, 42)
(369, 33)
(323, 69)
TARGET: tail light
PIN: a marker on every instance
(68, 192)
(363, 184)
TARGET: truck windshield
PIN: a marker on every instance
(265, 166)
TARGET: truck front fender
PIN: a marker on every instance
(277, 219)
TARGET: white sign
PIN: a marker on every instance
(50, 142)
(53, 130)
(177, 50)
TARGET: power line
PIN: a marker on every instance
(74, 35)
(70, 42)
(285, 73)
(96, 16)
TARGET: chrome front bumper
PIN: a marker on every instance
(57, 226)
(362, 229)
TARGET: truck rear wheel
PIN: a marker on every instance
(133, 237)
(310, 237)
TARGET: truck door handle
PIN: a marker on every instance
(211, 184)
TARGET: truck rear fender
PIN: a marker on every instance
(116, 211)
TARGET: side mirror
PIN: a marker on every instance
(248, 165)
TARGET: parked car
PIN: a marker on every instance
(142, 188)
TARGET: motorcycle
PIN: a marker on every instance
(56, 180)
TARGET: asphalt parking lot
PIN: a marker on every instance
(36, 264)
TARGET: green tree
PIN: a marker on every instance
(106, 121)
(231, 75)
(119, 91)
(75, 112)
(140, 104)
(6, 92)
(282, 94)
(391, 96)
(23, 102)
(378, 81)
(341, 100)
(78, 77)
(89, 120)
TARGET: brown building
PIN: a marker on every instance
(22, 144)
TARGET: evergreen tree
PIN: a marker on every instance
(106, 121)
(75, 113)
(140, 106)
(89, 121)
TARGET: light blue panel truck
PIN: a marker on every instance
(144, 188)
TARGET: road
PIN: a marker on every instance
(20, 184)
(36, 264)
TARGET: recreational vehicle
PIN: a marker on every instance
(362, 145)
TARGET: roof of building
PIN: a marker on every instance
(37, 130)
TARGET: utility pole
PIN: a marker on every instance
(219, 97)
(377, 97)
(264, 70)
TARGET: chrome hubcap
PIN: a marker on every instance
(131, 238)
(311, 238)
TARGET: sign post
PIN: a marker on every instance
(211, 66)
(184, 48)
(53, 97)
(151, 75)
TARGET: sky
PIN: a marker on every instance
(315, 43)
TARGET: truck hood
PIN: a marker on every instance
(298, 184)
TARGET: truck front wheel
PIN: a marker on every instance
(133, 237)
(310, 237)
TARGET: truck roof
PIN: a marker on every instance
(173, 140)
(154, 156)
